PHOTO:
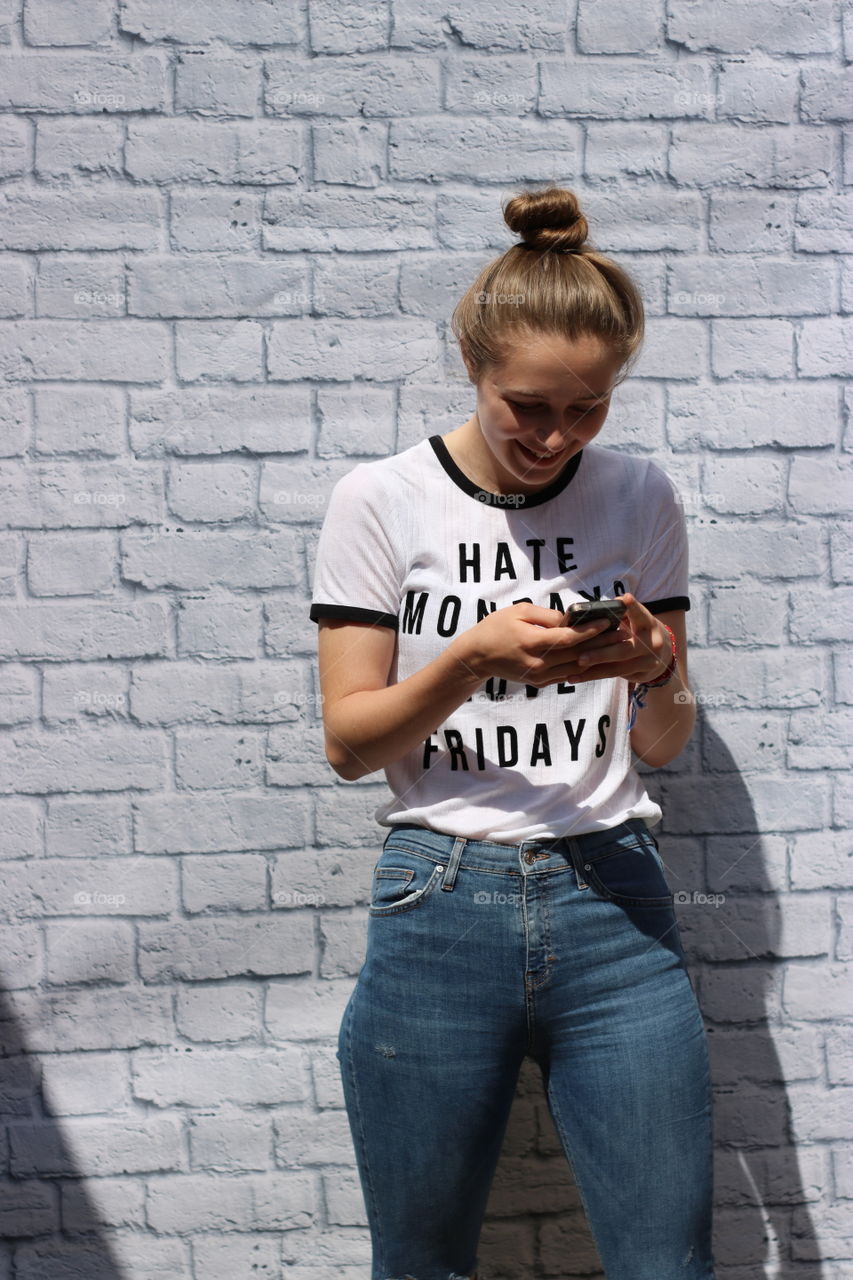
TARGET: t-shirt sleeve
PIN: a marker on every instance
(663, 576)
(357, 572)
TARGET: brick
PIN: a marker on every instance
(249, 692)
(752, 221)
(820, 485)
(234, 21)
(505, 150)
(731, 416)
(358, 28)
(202, 491)
(371, 87)
(209, 1077)
(351, 152)
(752, 348)
(756, 88)
(193, 420)
(20, 832)
(825, 346)
(212, 823)
(726, 549)
(57, 565)
(824, 223)
(224, 948)
(210, 218)
(209, 285)
(81, 82)
(344, 350)
(82, 632)
(80, 494)
(770, 25)
(790, 155)
(103, 217)
(121, 1018)
(65, 22)
(235, 883)
(742, 286)
(15, 287)
(223, 1143)
(227, 630)
(232, 559)
(93, 1148)
(217, 85)
(221, 758)
(826, 93)
(75, 828)
(94, 951)
(102, 759)
(353, 221)
(822, 860)
(181, 150)
(15, 145)
(219, 351)
(84, 145)
(626, 148)
(421, 24)
(86, 351)
(86, 420)
(69, 286)
(218, 1013)
(85, 1085)
(625, 89)
(84, 691)
(18, 693)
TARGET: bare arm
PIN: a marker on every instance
(369, 723)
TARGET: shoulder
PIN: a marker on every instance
(629, 474)
(380, 478)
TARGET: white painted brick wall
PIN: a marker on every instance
(231, 235)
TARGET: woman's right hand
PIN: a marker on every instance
(524, 643)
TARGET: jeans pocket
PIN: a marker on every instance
(401, 882)
(630, 873)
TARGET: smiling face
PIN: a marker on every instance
(549, 396)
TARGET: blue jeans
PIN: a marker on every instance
(566, 950)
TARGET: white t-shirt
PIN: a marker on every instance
(410, 542)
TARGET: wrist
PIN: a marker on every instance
(670, 659)
(467, 660)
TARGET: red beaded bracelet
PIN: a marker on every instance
(667, 675)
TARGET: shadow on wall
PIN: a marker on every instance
(763, 1227)
(49, 1226)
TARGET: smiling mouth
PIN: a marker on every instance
(538, 457)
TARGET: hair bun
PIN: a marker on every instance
(548, 219)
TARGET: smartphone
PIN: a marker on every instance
(592, 611)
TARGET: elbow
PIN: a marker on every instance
(345, 765)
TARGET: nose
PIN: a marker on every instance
(553, 441)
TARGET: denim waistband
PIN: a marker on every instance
(495, 853)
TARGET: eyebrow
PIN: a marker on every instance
(542, 395)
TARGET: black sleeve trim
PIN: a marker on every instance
(351, 613)
(670, 602)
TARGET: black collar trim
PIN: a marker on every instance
(510, 501)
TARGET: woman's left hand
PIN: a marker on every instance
(640, 650)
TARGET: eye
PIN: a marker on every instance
(532, 408)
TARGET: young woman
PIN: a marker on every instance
(519, 905)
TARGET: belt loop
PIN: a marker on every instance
(448, 880)
(574, 848)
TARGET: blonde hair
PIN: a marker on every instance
(553, 281)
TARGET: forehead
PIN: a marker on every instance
(547, 364)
